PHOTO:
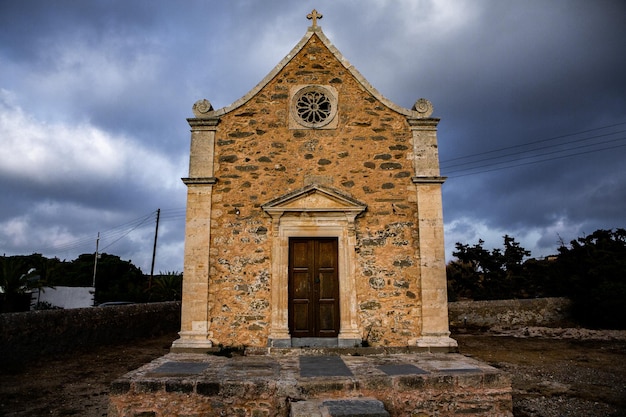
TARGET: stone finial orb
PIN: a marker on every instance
(202, 107)
(423, 107)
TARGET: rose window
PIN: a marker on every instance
(314, 106)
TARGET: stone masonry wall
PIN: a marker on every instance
(509, 313)
(31, 334)
(258, 158)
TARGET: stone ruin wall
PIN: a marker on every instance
(258, 158)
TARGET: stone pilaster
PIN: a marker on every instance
(195, 330)
(435, 332)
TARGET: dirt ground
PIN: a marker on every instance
(557, 377)
(554, 374)
(74, 384)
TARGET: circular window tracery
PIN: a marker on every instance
(314, 106)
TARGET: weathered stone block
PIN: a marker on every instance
(208, 388)
(148, 385)
(120, 387)
(178, 386)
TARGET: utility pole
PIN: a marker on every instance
(95, 267)
(156, 235)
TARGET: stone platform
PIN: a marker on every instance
(312, 383)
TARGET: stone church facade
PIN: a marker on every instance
(314, 214)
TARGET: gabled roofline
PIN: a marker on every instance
(314, 30)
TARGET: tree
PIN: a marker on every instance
(541, 278)
(591, 271)
(516, 280)
(116, 279)
(594, 268)
(481, 274)
(463, 281)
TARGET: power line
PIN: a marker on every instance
(107, 233)
(511, 159)
(558, 145)
(173, 214)
(534, 142)
(174, 209)
(543, 160)
(115, 233)
(128, 231)
(548, 153)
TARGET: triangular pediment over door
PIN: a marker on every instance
(314, 198)
(314, 211)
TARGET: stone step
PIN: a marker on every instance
(347, 407)
(409, 384)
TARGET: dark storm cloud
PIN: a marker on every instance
(95, 94)
(536, 75)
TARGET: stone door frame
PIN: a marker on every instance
(324, 215)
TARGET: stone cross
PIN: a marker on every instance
(314, 16)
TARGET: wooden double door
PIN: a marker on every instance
(313, 287)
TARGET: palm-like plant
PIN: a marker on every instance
(167, 286)
(15, 281)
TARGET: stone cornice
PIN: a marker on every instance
(198, 124)
(417, 123)
(199, 181)
(428, 180)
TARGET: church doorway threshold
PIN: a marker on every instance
(303, 342)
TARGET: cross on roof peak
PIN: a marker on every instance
(314, 15)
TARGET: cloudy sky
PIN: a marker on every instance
(94, 97)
